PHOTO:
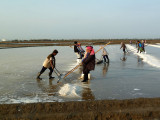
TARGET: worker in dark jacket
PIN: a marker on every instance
(76, 50)
(88, 62)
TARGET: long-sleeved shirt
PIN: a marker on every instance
(123, 46)
(104, 52)
(76, 49)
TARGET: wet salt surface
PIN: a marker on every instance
(127, 76)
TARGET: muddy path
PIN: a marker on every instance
(133, 109)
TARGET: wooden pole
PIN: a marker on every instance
(69, 72)
(102, 47)
(70, 46)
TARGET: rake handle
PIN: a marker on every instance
(71, 70)
(80, 63)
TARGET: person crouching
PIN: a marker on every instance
(48, 63)
(88, 62)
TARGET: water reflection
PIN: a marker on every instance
(48, 89)
(52, 89)
(105, 69)
(80, 69)
(123, 58)
(87, 94)
(140, 62)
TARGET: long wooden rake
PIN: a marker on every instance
(69, 72)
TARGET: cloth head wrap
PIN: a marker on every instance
(92, 50)
(89, 47)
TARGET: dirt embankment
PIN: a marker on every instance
(134, 109)
(17, 44)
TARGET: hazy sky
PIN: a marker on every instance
(83, 19)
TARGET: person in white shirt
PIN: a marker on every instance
(48, 63)
(105, 54)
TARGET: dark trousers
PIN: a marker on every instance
(86, 72)
(80, 55)
(104, 57)
(143, 49)
(44, 68)
(124, 50)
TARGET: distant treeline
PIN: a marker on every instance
(71, 40)
(66, 42)
(63, 42)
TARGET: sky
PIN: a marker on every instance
(79, 19)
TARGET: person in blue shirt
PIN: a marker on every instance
(139, 47)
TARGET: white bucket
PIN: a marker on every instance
(79, 61)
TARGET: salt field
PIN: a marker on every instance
(132, 75)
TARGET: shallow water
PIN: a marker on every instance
(127, 76)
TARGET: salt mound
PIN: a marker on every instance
(151, 60)
(70, 90)
(157, 46)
